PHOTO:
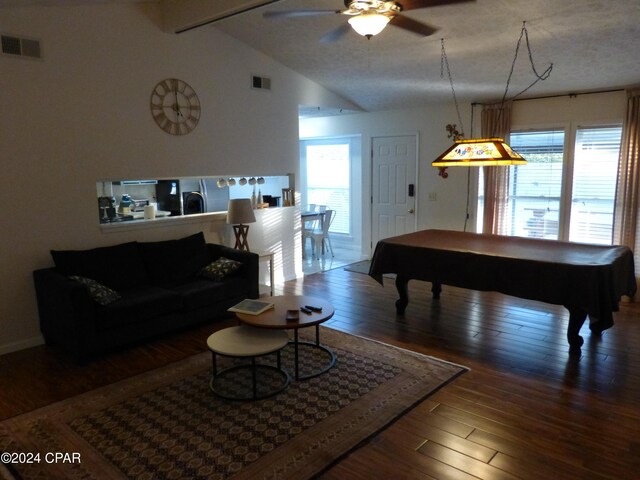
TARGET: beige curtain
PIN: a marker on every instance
(626, 223)
(496, 122)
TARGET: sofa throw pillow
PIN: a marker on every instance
(220, 268)
(100, 294)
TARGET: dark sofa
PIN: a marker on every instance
(99, 299)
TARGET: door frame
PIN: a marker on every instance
(369, 203)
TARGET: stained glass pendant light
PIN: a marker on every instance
(479, 152)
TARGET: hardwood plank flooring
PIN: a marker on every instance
(524, 410)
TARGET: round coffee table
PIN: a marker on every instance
(247, 342)
(276, 319)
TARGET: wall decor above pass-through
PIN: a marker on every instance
(175, 106)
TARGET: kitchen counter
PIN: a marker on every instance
(140, 215)
(161, 221)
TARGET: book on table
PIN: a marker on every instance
(251, 307)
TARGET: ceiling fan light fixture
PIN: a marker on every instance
(479, 152)
(369, 23)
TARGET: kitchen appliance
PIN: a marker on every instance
(125, 204)
(168, 196)
(138, 205)
(192, 202)
(271, 200)
(106, 208)
(215, 199)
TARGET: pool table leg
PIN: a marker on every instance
(402, 284)
(403, 291)
(577, 317)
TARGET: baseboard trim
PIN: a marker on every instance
(21, 345)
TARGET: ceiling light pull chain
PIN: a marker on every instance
(444, 61)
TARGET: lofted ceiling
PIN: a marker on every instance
(593, 45)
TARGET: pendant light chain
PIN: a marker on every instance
(444, 61)
(524, 32)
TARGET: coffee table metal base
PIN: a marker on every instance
(260, 375)
(313, 344)
(242, 382)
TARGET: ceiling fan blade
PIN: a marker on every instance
(416, 4)
(298, 13)
(413, 25)
(336, 34)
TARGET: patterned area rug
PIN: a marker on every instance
(359, 267)
(167, 424)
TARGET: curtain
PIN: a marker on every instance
(496, 122)
(626, 223)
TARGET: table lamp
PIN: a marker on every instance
(239, 212)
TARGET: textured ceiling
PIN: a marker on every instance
(593, 45)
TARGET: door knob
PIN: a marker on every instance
(410, 210)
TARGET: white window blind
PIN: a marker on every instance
(535, 188)
(328, 181)
(595, 171)
(536, 200)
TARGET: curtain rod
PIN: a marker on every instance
(554, 96)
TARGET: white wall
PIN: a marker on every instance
(81, 114)
(428, 123)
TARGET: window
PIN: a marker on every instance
(535, 188)
(328, 181)
(595, 172)
(560, 194)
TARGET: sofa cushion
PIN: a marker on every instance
(219, 269)
(118, 267)
(101, 294)
(138, 305)
(204, 293)
(172, 262)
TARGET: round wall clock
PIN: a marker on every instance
(175, 106)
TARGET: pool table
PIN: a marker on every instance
(586, 279)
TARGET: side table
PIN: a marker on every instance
(247, 342)
(267, 289)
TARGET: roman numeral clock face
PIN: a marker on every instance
(175, 106)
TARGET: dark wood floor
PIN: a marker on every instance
(524, 410)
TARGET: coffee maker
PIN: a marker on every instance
(106, 209)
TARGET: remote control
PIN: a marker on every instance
(314, 309)
(305, 310)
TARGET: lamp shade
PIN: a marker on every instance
(369, 24)
(240, 211)
(479, 152)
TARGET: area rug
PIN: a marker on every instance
(359, 267)
(363, 267)
(167, 424)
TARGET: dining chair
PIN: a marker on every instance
(322, 235)
(308, 226)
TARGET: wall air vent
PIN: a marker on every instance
(21, 47)
(262, 83)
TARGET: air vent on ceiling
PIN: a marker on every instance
(21, 47)
(263, 83)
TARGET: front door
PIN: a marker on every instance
(393, 206)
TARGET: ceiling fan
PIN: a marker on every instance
(369, 17)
